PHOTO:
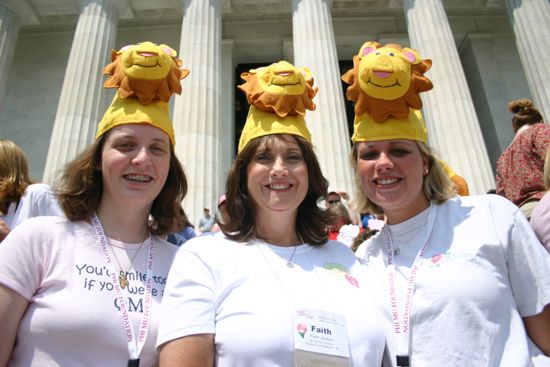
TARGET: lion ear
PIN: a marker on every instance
(367, 48)
(169, 50)
(411, 55)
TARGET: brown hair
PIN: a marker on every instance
(311, 220)
(524, 113)
(436, 185)
(14, 174)
(81, 187)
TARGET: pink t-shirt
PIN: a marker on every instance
(73, 317)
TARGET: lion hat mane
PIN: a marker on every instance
(281, 88)
(386, 81)
(146, 71)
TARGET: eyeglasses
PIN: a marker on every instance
(333, 201)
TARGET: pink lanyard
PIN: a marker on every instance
(401, 325)
(135, 345)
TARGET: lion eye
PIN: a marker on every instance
(391, 54)
(378, 53)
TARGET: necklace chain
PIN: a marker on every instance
(122, 278)
(289, 261)
(416, 231)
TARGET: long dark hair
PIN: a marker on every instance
(81, 186)
(311, 221)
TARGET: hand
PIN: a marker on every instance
(4, 230)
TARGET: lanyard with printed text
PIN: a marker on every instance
(135, 345)
(401, 323)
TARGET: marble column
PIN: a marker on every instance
(82, 101)
(315, 48)
(453, 126)
(531, 23)
(227, 107)
(9, 30)
(197, 122)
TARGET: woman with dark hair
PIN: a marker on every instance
(86, 290)
(459, 280)
(521, 165)
(273, 291)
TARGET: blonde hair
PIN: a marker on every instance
(436, 185)
(14, 174)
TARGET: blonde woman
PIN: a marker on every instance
(459, 280)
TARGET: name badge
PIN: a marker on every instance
(320, 339)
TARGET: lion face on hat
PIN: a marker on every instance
(385, 81)
(146, 71)
(281, 88)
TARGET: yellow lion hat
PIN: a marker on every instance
(279, 95)
(146, 76)
(146, 71)
(385, 83)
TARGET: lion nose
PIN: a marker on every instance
(382, 74)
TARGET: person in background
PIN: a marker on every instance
(207, 221)
(85, 290)
(273, 291)
(459, 280)
(342, 229)
(335, 196)
(20, 198)
(519, 172)
(540, 218)
(183, 230)
(221, 214)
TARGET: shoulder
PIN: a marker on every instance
(480, 202)
(48, 230)
(39, 188)
(51, 224)
(209, 245)
(472, 214)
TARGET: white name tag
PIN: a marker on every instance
(322, 333)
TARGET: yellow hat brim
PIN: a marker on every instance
(411, 128)
(260, 123)
(130, 111)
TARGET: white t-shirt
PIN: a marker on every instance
(37, 200)
(73, 319)
(482, 272)
(246, 295)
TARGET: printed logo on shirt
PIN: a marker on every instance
(340, 272)
(439, 259)
(97, 278)
(301, 329)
